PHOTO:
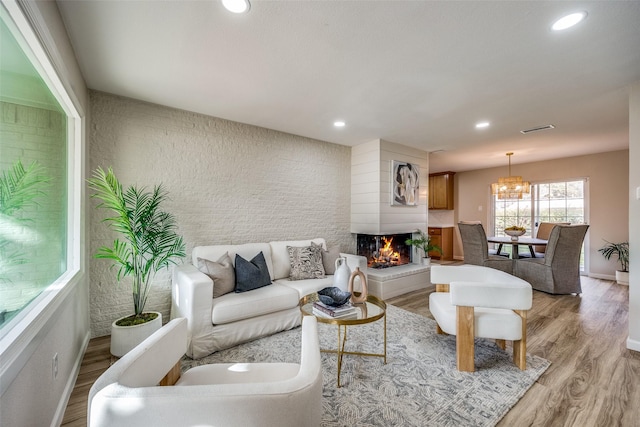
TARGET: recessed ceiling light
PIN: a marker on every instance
(481, 125)
(237, 6)
(339, 124)
(568, 21)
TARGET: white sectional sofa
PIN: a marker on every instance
(219, 323)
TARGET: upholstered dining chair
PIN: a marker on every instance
(559, 271)
(476, 248)
(543, 232)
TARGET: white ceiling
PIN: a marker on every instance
(419, 73)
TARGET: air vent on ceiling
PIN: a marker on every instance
(536, 129)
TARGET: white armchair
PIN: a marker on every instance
(474, 301)
(242, 394)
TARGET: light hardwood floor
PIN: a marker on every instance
(593, 379)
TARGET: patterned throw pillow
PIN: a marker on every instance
(221, 272)
(252, 274)
(306, 262)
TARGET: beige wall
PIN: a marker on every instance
(634, 214)
(608, 202)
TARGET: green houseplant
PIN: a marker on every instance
(621, 251)
(19, 189)
(423, 242)
(149, 239)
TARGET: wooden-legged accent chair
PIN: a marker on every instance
(480, 302)
(131, 392)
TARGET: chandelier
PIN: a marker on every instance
(510, 187)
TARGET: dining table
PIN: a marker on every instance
(522, 241)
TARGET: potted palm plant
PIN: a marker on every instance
(423, 242)
(621, 250)
(149, 243)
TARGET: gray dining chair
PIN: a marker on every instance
(476, 248)
(543, 232)
(559, 271)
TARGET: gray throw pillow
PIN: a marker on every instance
(306, 262)
(329, 259)
(221, 272)
(252, 274)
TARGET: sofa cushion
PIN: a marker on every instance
(306, 286)
(221, 272)
(306, 262)
(329, 258)
(246, 251)
(252, 274)
(269, 299)
(280, 255)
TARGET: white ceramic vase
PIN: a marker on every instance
(342, 275)
(426, 262)
(125, 338)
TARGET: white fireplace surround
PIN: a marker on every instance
(372, 212)
(371, 209)
(393, 281)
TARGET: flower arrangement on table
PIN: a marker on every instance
(515, 231)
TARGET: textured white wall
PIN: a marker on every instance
(228, 183)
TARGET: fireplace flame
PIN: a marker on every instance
(386, 255)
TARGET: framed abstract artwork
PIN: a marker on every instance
(405, 181)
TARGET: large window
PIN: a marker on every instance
(38, 206)
(561, 201)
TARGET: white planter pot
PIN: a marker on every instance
(125, 338)
(426, 262)
(622, 277)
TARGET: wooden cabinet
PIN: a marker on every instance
(443, 237)
(441, 190)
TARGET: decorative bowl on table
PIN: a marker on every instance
(333, 296)
(515, 232)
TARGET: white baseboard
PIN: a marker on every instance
(633, 344)
(602, 276)
(71, 382)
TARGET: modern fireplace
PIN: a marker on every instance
(386, 250)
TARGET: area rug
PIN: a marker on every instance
(419, 385)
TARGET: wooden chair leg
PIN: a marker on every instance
(465, 352)
(520, 346)
(442, 287)
(502, 344)
(172, 376)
